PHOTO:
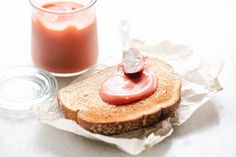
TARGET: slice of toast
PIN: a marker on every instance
(81, 102)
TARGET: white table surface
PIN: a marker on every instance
(209, 26)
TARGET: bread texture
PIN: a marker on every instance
(81, 102)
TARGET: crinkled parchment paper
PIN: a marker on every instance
(199, 85)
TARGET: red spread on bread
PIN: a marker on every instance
(122, 88)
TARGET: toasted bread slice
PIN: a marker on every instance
(81, 102)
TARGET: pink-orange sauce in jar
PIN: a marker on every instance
(64, 37)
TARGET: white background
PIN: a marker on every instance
(208, 26)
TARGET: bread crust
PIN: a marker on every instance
(117, 127)
(120, 127)
(68, 113)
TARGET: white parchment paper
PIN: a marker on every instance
(200, 83)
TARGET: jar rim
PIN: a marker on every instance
(38, 7)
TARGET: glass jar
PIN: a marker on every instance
(64, 36)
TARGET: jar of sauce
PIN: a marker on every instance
(64, 36)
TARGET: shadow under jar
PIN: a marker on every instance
(64, 36)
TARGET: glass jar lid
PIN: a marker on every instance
(23, 87)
